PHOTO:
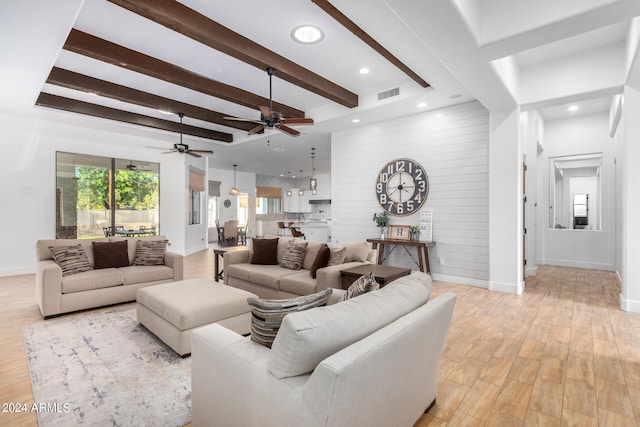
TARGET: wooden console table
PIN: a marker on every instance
(422, 247)
(219, 252)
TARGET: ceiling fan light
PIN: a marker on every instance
(307, 34)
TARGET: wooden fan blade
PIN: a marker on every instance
(256, 129)
(201, 151)
(298, 121)
(191, 153)
(170, 151)
(240, 119)
(266, 112)
(287, 129)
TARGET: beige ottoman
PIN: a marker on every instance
(172, 310)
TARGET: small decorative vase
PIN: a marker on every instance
(381, 233)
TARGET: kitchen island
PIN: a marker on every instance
(315, 231)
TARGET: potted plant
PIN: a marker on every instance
(415, 232)
(382, 220)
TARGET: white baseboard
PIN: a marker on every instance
(195, 250)
(461, 280)
(508, 288)
(579, 264)
(4, 272)
(630, 306)
(531, 272)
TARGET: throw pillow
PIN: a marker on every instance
(150, 252)
(365, 283)
(294, 256)
(265, 251)
(338, 254)
(71, 259)
(110, 254)
(267, 314)
(357, 251)
(321, 260)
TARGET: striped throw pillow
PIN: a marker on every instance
(267, 315)
(150, 252)
(71, 259)
(365, 283)
(294, 256)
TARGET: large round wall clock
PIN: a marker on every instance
(402, 187)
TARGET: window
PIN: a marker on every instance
(196, 188)
(96, 196)
(268, 200)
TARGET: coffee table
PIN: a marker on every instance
(384, 273)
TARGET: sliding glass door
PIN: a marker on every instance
(101, 196)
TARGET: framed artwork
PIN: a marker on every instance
(400, 232)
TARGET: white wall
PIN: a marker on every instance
(578, 248)
(27, 176)
(628, 202)
(452, 144)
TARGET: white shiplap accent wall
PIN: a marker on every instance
(452, 144)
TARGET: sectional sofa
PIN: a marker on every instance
(275, 281)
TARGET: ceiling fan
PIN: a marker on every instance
(184, 148)
(135, 168)
(272, 119)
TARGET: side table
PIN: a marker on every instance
(219, 252)
(384, 274)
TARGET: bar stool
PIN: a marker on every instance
(282, 230)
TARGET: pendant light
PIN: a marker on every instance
(301, 191)
(313, 182)
(234, 190)
(289, 192)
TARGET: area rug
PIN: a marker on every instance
(103, 368)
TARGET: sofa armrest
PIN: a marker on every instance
(48, 287)
(230, 382)
(236, 257)
(329, 277)
(176, 262)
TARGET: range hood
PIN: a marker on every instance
(320, 202)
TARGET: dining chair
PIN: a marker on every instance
(242, 234)
(231, 232)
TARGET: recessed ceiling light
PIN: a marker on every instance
(422, 104)
(355, 120)
(307, 34)
(364, 71)
(455, 96)
(278, 149)
(573, 108)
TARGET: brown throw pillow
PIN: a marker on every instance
(294, 256)
(71, 259)
(110, 254)
(265, 251)
(364, 284)
(150, 252)
(321, 261)
(267, 314)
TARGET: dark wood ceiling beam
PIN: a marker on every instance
(75, 106)
(103, 50)
(192, 24)
(332, 11)
(81, 82)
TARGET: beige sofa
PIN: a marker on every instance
(57, 294)
(368, 361)
(275, 281)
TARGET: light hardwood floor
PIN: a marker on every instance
(561, 354)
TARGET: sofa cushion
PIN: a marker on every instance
(267, 314)
(71, 259)
(338, 254)
(150, 252)
(145, 273)
(93, 279)
(300, 283)
(306, 338)
(321, 260)
(294, 256)
(265, 251)
(311, 254)
(357, 251)
(110, 254)
(365, 283)
(269, 275)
